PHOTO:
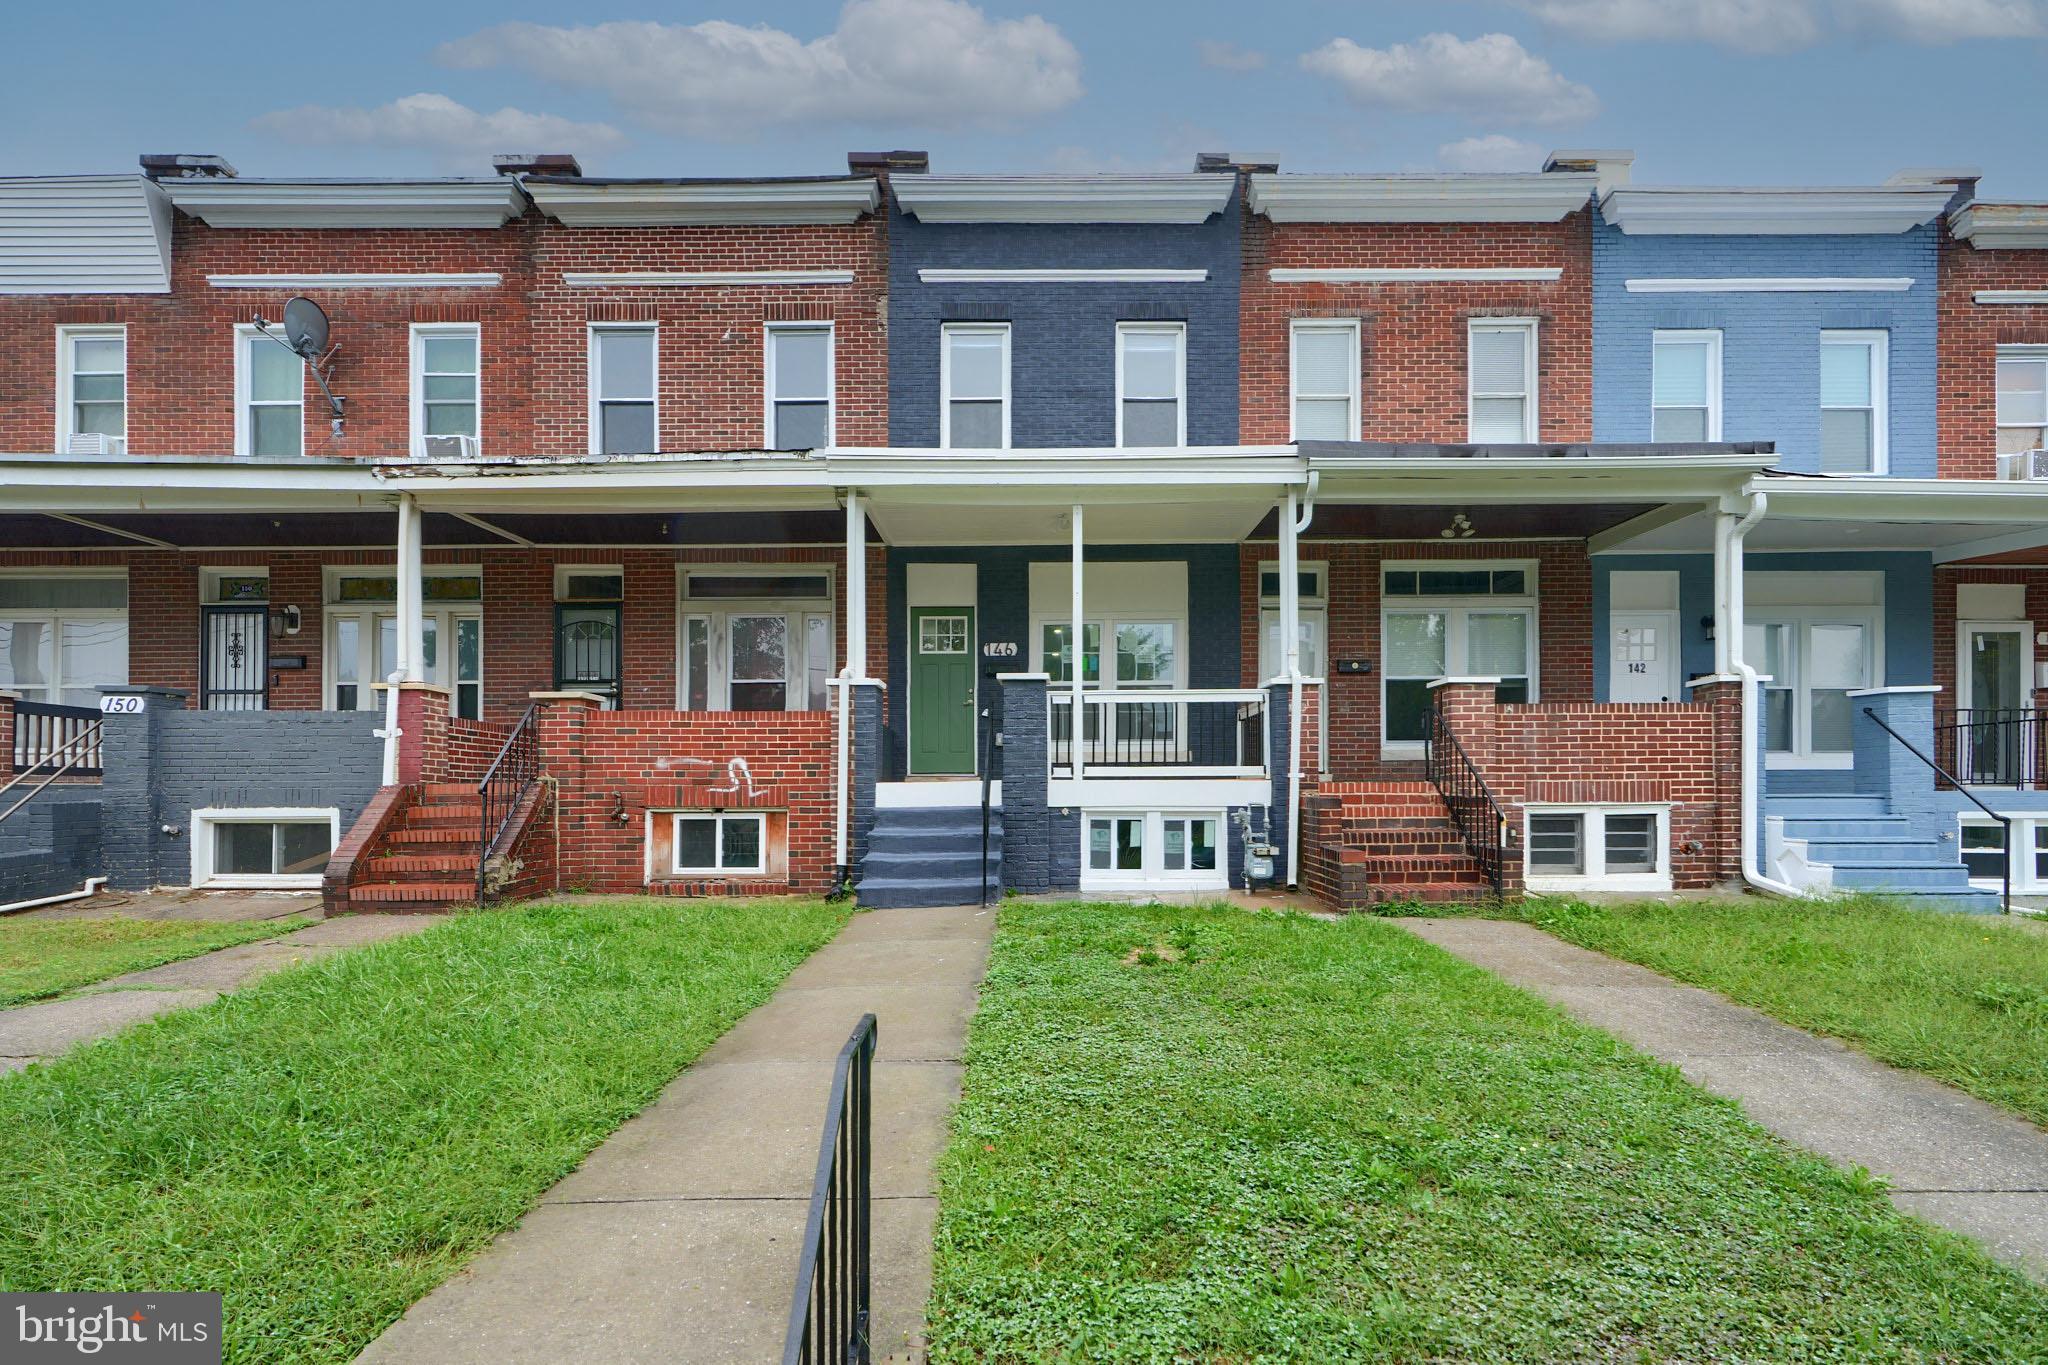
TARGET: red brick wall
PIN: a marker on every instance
(1969, 337)
(1946, 578)
(472, 747)
(1412, 336)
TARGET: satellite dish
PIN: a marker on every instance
(305, 327)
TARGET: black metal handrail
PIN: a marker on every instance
(1992, 746)
(828, 1318)
(2004, 821)
(1473, 808)
(504, 786)
(44, 729)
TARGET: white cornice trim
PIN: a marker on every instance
(1992, 226)
(1052, 275)
(482, 279)
(705, 203)
(2011, 296)
(1404, 275)
(1774, 284)
(1795, 211)
(1192, 198)
(224, 203)
(671, 279)
(1532, 198)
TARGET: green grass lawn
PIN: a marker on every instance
(1962, 997)
(45, 957)
(329, 1144)
(1198, 1134)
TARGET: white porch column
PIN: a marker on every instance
(411, 629)
(1079, 651)
(1724, 644)
(856, 586)
(1290, 588)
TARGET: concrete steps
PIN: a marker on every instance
(1852, 841)
(930, 856)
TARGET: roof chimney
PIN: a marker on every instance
(883, 163)
(537, 163)
(1608, 168)
(185, 166)
(1227, 163)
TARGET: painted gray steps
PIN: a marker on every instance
(1839, 848)
(1975, 901)
(933, 817)
(896, 893)
(1900, 876)
(935, 861)
(918, 856)
(1829, 803)
(926, 836)
(1849, 827)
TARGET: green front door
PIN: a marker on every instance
(941, 690)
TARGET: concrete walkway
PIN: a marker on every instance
(1951, 1159)
(677, 1239)
(41, 1031)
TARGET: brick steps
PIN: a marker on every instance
(1369, 844)
(427, 860)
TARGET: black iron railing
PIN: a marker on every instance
(46, 734)
(1478, 815)
(1992, 747)
(1191, 731)
(504, 786)
(828, 1318)
(2004, 821)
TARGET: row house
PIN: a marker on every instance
(927, 534)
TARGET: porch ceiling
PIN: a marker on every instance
(1954, 520)
(1115, 523)
(378, 530)
(1362, 521)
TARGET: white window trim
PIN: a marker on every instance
(1879, 342)
(1107, 624)
(1528, 602)
(718, 684)
(416, 371)
(1686, 337)
(1319, 568)
(205, 818)
(55, 616)
(244, 428)
(65, 369)
(2019, 852)
(2038, 354)
(1871, 619)
(564, 572)
(768, 381)
(594, 385)
(1179, 331)
(947, 331)
(1354, 421)
(445, 615)
(1593, 837)
(211, 574)
(1153, 875)
(759, 868)
(1532, 424)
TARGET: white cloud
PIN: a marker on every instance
(1787, 25)
(1939, 22)
(932, 63)
(1229, 56)
(1493, 152)
(1491, 77)
(434, 123)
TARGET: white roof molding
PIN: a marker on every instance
(1790, 211)
(481, 279)
(683, 279)
(1990, 227)
(232, 203)
(2011, 296)
(1532, 198)
(1771, 284)
(84, 234)
(1163, 198)
(1062, 275)
(703, 203)
(1417, 275)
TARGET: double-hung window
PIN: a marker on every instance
(1816, 637)
(1501, 380)
(799, 387)
(92, 389)
(1151, 384)
(362, 636)
(1453, 620)
(270, 385)
(974, 376)
(622, 390)
(445, 373)
(1685, 386)
(758, 638)
(2022, 398)
(1324, 374)
(1852, 402)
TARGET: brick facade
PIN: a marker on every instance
(1970, 335)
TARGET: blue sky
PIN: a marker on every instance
(1704, 91)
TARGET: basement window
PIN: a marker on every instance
(1143, 850)
(1618, 848)
(275, 849)
(723, 845)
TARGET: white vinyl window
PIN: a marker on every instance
(1813, 663)
(1853, 418)
(2022, 398)
(1323, 371)
(1608, 847)
(756, 638)
(446, 369)
(270, 397)
(1447, 620)
(721, 845)
(275, 848)
(62, 638)
(362, 636)
(1151, 384)
(1685, 386)
(92, 390)
(622, 390)
(974, 376)
(1138, 850)
(799, 385)
(1984, 853)
(1501, 381)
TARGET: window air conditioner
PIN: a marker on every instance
(93, 443)
(449, 447)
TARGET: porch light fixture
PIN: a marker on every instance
(1707, 625)
(1459, 529)
(285, 620)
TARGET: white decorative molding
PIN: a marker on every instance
(1989, 227)
(482, 279)
(1055, 275)
(1773, 211)
(670, 279)
(1189, 198)
(1774, 284)
(228, 203)
(1419, 275)
(2011, 296)
(1545, 197)
(585, 202)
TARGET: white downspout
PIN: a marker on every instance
(1077, 611)
(1290, 626)
(854, 667)
(1730, 532)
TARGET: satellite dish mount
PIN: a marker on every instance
(305, 334)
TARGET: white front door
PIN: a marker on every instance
(1994, 712)
(1642, 656)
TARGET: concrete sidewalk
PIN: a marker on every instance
(677, 1239)
(1950, 1158)
(41, 1031)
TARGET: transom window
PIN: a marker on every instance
(362, 637)
(1501, 380)
(974, 365)
(1455, 621)
(62, 639)
(1151, 383)
(799, 386)
(1595, 846)
(92, 382)
(756, 640)
(622, 390)
(2022, 398)
(723, 844)
(445, 359)
(1852, 402)
(271, 414)
(1685, 386)
(1324, 372)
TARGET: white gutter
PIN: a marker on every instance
(1729, 533)
(1291, 637)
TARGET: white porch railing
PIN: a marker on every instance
(1160, 732)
